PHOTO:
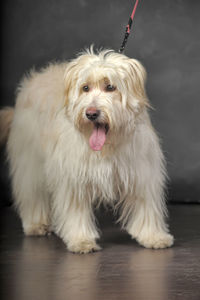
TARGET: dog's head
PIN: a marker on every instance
(104, 94)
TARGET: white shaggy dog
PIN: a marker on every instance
(80, 135)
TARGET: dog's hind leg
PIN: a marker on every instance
(31, 200)
(28, 185)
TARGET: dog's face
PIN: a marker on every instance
(104, 95)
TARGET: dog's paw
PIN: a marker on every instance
(156, 240)
(83, 247)
(37, 229)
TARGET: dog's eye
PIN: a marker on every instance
(110, 88)
(86, 88)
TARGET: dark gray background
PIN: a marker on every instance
(165, 38)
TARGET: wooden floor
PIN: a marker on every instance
(40, 268)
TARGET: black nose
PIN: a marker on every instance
(92, 113)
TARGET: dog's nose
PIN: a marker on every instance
(92, 113)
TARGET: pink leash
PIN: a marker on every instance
(128, 28)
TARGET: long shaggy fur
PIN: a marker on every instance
(57, 177)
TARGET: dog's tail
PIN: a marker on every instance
(6, 117)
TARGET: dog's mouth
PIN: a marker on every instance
(98, 136)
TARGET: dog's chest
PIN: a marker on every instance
(106, 177)
(99, 172)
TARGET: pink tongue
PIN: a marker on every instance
(97, 138)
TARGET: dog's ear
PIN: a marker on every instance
(70, 78)
(136, 81)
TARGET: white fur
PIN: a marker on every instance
(57, 178)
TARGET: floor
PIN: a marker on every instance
(40, 268)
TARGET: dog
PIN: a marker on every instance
(80, 135)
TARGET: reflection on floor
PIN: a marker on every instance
(40, 268)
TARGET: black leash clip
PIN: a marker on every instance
(128, 28)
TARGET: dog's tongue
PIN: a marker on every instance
(98, 138)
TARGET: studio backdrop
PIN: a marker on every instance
(164, 37)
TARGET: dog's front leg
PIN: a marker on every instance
(147, 224)
(74, 221)
(145, 209)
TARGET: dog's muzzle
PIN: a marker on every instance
(100, 129)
